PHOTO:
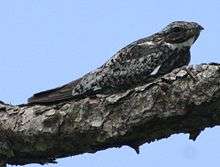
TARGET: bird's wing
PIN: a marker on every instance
(128, 65)
(54, 95)
(140, 56)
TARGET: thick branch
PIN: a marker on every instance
(179, 102)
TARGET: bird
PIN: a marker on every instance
(137, 63)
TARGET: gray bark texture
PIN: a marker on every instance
(187, 100)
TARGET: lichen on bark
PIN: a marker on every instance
(187, 100)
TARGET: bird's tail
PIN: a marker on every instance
(58, 94)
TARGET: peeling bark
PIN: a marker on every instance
(183, 101)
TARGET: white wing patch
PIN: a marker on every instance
(155, 70)
(147, 43)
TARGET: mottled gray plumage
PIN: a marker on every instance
(137, 63)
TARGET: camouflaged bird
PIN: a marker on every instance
(134, 64)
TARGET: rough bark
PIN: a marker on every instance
(185, 101)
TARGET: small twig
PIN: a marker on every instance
(3, 164)
(195, 79)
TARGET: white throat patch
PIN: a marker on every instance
(189, 43)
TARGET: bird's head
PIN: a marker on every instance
(180, 34)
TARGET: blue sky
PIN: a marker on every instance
(46, 43)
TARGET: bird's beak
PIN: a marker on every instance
(200, 28)
(196, 32)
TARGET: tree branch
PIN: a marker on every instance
(178, 102)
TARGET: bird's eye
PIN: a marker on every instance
(176, 29)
